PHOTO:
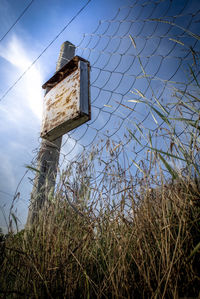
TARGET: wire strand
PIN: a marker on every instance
(45, 49)
(17, 20)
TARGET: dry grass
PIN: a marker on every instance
(121, 236)
(75, 252)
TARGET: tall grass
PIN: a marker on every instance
(79, 251)
(121, 235)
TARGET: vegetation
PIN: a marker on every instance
(153, 254)
(121, 235)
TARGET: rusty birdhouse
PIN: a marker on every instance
(67, 101)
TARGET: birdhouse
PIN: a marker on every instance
(67, 100)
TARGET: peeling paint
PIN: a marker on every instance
(62, 105)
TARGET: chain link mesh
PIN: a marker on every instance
(138, 60)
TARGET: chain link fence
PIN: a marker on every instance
(144, 77)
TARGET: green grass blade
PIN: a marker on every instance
(15, 220)
(173, 173)
(140, 130)
(193, 123)
(137, 165)
(153, 117)
(192, 108)
(140, 93)
(194, 76)
(32, 168)
(150, 139)
(131, 133)
(166, 153)
(161, 115)
(187, 94)
(161, 106)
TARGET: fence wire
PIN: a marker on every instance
(144, 64)
(140, 55)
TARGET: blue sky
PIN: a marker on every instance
(21, 108)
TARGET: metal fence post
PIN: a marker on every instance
(48, 156)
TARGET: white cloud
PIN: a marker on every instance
(16, 53)
(20, 114)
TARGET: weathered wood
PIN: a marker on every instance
(66, 105)
(48, 156)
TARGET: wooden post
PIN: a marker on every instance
(48, 156)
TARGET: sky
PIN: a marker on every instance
(21, 106)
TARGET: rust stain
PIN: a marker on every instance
(61, 103)
(67, 100)
(62, 114)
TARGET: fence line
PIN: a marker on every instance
(138, 60)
